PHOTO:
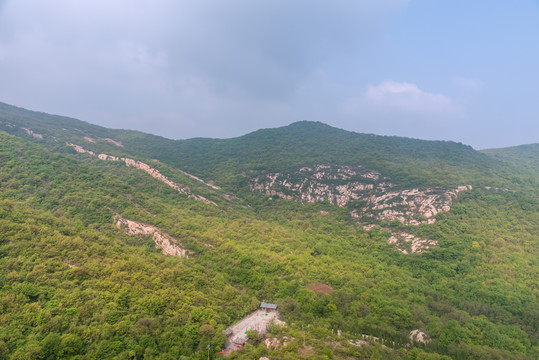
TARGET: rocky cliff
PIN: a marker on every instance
(370, 197)
(184, 189)
(167, 244)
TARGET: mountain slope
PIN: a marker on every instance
(525, 156)
(81, 274)
(408, 162)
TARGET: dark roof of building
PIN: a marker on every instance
(240, 339)
(268, 306)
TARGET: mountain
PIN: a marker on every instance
(287, 148)
(120, 244)
(525, 156)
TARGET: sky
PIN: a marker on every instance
(460, 70)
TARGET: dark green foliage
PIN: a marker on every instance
(408, 162)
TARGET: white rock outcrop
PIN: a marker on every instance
(342, 184)
(370, 196)
(114, 142)
(276, 343)
(403, 241)
(184, 189)
(167, 244)
(32, 134)
(419, 336)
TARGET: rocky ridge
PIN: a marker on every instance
(32, 134)
(370, 197)
(130, 162)
(184, 189)
(114, 142)
(410, 206)
(167, 244)
(337, 184)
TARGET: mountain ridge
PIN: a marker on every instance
(313, 143)
(526, 156)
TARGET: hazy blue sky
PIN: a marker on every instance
(457, 70)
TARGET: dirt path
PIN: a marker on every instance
(258, 320)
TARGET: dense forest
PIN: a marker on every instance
(74, 285)
(524, 156)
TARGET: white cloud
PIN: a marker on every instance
(403, 108)
(404, 96)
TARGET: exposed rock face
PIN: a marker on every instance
(366, 340)
(80, 149)
(419, 336)
(32, 134)
(275, 343)
(117, 143)
(89, 139)
(408, 243)
(341, 185)
(107, 157)
(184, 189)
(167, 244)
(358, 342)
(370, 197)
(409, 206)
(337, 184)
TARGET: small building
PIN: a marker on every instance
(239, 341)
(267, 307)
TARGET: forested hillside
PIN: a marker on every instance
(409, 162)
(524, 156)
(85, 213)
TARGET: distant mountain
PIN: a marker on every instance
(525, 156)
(120, 244)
